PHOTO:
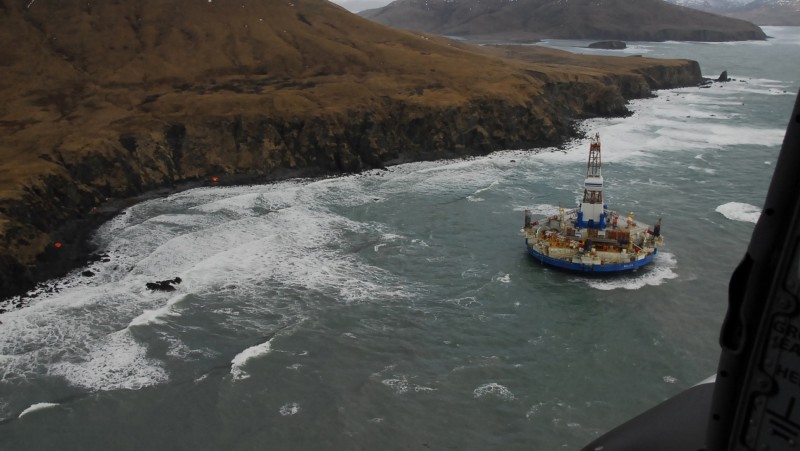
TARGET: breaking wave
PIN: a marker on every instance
(238, 362)
(658, 272)
(738, 211)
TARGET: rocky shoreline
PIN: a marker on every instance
(108, 103)
(342, 144)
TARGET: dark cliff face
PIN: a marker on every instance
(143, 155)
(498, 20)
(338, 97)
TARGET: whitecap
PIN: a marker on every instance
(539, 209)
(401, 385)
(238, 362)
(495, 390)
(474, 196)
(706, 170)
(661, 125)
(289, 409)
(738, 211)
(37, 406)
(659, 271)
(118, 362)
(158, 316)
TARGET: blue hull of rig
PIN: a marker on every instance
(580, 267)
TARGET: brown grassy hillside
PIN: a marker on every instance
(116, 98)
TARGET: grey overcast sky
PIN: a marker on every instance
(360, 5)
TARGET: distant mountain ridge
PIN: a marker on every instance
(760, 12)
(640, 20)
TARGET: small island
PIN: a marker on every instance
(608, 45)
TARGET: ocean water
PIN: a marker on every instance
(398, 309)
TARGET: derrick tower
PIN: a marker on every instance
(591, 213)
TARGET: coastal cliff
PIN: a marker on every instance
(89, 123)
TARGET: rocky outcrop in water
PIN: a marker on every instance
(608, 45)
(163, 285)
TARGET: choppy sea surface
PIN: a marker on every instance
(398, 309)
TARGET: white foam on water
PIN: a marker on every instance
(243, 204)
(493, 389)
(295, 247)
(534, 410)
(465, 302)
(158, 316)
(659, 271)
(539, 209)
(705, 170)
(760, 86)
(739, 211)
(119, 362)
(67, 333)
(238, 362)
(289, 409)
(661, 125)
(180, 351)
(462, 178)
(637, 49)
(37, 407)
(669, 379)
(79, 334)
(502, 278)
(474, 196)
(401, 385)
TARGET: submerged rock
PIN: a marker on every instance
(163, 285)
